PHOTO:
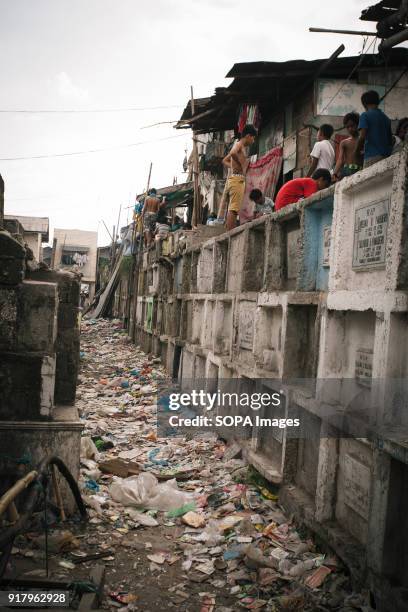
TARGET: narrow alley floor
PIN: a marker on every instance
(180, 524)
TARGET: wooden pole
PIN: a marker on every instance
(12, 512)
(10, 495)
(113, 248)
(118, 223)
(196, 213)
(148, 178)
(348, 32)
(106, 227)
(57, 492)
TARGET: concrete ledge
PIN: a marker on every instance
(353, 555)
(260, 462)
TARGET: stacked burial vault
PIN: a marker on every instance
(314, 296)
(39, 357)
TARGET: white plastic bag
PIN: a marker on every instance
(88, 449)
(144, 491)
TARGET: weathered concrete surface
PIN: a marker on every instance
(68, 331)
(39, 354)
(25, 444)
(313, 293)
(12, 260)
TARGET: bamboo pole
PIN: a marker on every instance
(196, 216)
(10, 495)
(12, 512)
(347, 32)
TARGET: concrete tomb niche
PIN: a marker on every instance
(205, 270)
(193, 271)
(182, 278)
(270, 441)
(268, 339)
(208, 324)
(301, 342)
(236, 262)
(187, 320)
(223, 327)
(253, 272)
(197, 321)
(291, 254)
(395, 546)
(246, 312)
(347, 358)
(199, 368)
(220, 266)
(315, 252)
(353, 487)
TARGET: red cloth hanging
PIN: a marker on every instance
(264, 175)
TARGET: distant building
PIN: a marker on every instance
(77, 250)
(35, 231)
(47, 255)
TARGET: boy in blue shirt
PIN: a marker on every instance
(374, 129)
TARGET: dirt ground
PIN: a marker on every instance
(217, 539)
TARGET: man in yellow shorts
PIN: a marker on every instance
(237, 161)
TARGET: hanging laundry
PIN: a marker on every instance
(264, 175)
(248, 114)
(80, 259)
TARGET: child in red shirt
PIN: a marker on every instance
(300, 188)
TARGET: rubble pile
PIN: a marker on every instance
(179, 523)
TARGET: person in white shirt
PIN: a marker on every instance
(323, 155)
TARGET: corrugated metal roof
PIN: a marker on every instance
(381, 10)
(294, 68)
(38, 225)
(165, 191)
(273, 84)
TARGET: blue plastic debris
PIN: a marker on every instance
(151, 457)
(92, 485)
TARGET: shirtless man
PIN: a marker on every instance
(149, 216)
(347, 164)
(237, 162)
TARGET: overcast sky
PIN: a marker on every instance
(104, 54)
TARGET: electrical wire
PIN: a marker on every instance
(362, 55)
(87, 152)
(82, 111)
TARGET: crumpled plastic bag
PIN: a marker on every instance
(88, 448)
(144, 491)
(212, 534)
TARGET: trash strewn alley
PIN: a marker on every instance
(179, 524)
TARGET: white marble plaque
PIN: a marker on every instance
(370, 235)
(364, 365)
(356, 485)
(326, 245)
(246, 327)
